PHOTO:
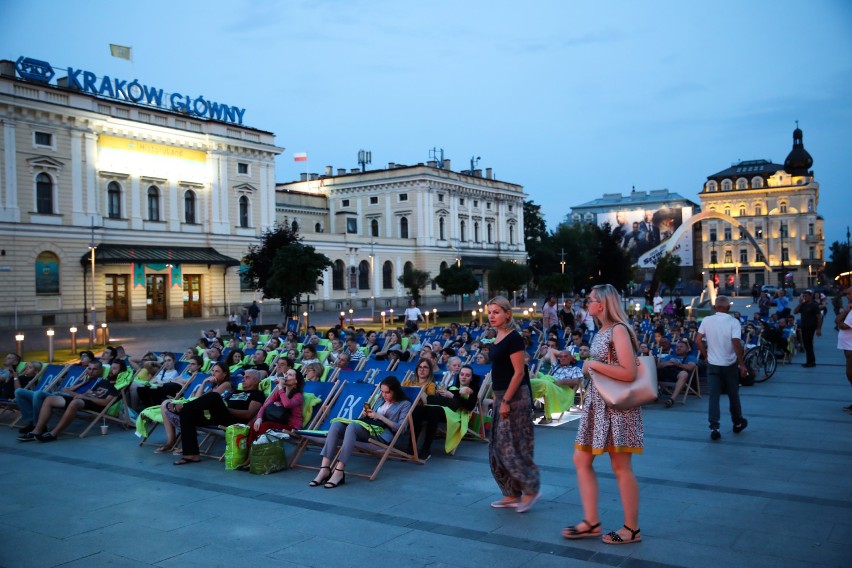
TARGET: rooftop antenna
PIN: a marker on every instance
(365, 157)
(437, 154)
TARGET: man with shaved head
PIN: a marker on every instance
(724, 354)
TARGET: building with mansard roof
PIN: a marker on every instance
(375, 224)
(169, 188)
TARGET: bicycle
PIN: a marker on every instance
(761, 361)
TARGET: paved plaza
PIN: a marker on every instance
(778, 494)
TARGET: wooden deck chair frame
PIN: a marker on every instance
(190, 385)
(384, 451)
(310, 436)
(484, 388)
(123, 418)
(41, 382)
(692, 385)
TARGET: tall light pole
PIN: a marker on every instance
(372, 281)
(562, 262)
(92, 248)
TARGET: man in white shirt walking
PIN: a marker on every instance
(413, 316)
(724, 354)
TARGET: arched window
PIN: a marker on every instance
(403, 227)
(374, 227)
(44, 194)
(462, 236)
(783, 207)
(441, 228)
(113, 200)
(756, 182)
(758, 209)
(318, 228)
(810, 205)
(712, 186)
(742, 210)
(47, 273)
(511, 234)
(742, 183)
(387, 275)
(338, 271)
(153, 203)
(728, 211)
(189, 207)
(488, 228)
(726, 185)
(244, 211)
(407, 267)
(364, 275)
(476, 232)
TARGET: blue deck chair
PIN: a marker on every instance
(354, 376)
(348, 402)
(374, 365)
(44, 380)
(403, 367)
(185, 392)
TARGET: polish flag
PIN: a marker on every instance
(300, 157)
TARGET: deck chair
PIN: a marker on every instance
(373, 365)
(354, 376)
(479, 416)
(403, 367)
(115, 411)
(43, 381)
(348, 402)
(692, 385)
(401, 447)
(153, 414)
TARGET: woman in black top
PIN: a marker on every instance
(512, 442)
(457, 397)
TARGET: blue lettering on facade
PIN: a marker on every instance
(134, 91)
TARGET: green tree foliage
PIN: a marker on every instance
(456, 280)
(271, 266)
(666, 272)
(541, 255)
(415, 280)
(509, 276)
(556, 283)
(592, 256)
(839, 259)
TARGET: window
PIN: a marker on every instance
(403, 197)
(742, 211)
(810, 229)
(403, 227)
(114, 200)
(811, 252)
(47, 273)
(461, 200)
(387, 275)
(757, 182)
(726, 185)
(337, 271)
(742, 183)
(785, 254)
(44, 194)
(374, 200)
(758, 231)
(476, 232)
(488, 205)
(782, 230)
(475, 203)
(810, 205)
(462, 236)
(511, 234)
(728, 257)
(374, 228)
(510, 208)
(364, 275)
(440, 197)
(244, 211)
(758, 209)
(742, 234)
(352, 226)
(712, 186)
(153, 203)
(713, 259)
(242, 168)
(744, 256)
(43, 139)
(713, 234)
(727, 232)
(344, 203)
(318, 228)
(783, 207)
(728, 211)
(488, 229)
(441, 235)
(189, 207)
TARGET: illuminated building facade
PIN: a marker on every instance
(777, 204)
(170, 188)
(374, 224)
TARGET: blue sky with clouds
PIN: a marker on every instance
(569, 99)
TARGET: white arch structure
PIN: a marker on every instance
(672, 244)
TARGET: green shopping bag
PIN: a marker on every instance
(236, 451)
(268, 455)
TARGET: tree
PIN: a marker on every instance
(457, 280)
(540, 253)
(509, 276)
(415, 280)
(840, 261)
(556, 283)
(666, 272)
(270, 266)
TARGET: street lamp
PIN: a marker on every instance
(713, 258)
(91, 329)
(391, 316)
(305, 315)
(19, 344)
(350, 316)
(104, 333)
(73, 331)
(383, 319)
(342, 318)
(50, 333)
(435, 317)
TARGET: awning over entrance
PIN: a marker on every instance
(479, 262)
(119, 254)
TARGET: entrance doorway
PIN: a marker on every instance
(192, 296)
(155, 296)
(116, 297)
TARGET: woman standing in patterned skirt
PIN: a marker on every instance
(510, 453)
(602, 429)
